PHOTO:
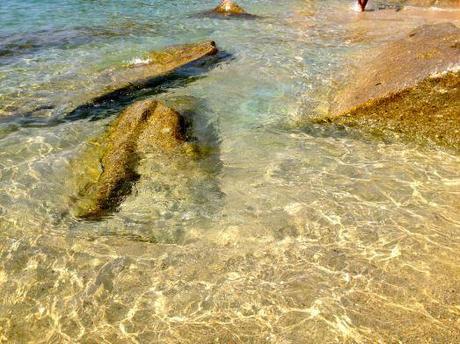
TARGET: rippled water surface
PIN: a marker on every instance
(285, 233)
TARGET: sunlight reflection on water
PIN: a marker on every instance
(286, 233)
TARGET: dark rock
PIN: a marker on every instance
(395, 90)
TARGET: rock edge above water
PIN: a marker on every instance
(228, 9)
(428, 113)
(160, 64)
(406, 89)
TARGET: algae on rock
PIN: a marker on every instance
(144, 127)
(428, 113)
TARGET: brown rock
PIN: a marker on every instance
(401, 64)
(428, 113)
(228, 7)
(398, 91)
(438, 3)
(161, 63)
(146, 126)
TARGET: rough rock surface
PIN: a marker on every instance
(396, 91)
(428, 113)
(161, 63)
(143, 127)
(228, 7)
(428, 50)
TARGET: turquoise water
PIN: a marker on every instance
(286, 233)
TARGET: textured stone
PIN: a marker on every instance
(144, 127)
(228, 9)
(405, 89)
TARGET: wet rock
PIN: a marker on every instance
(144, 127)
(395, 90)
(180, 55)
(228, 8)
(428, 113)
(161, 63)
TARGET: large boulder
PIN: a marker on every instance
(108, 167)
(406, 84)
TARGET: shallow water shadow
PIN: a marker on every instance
(111, 103)
(114, 100)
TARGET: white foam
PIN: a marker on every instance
(137, 61)
(453, 68)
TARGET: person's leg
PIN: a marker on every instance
(363, 4)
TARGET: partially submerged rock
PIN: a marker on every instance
(229, 9)
(428, 113)
(395, 90)
(161, 63)
(144, 127)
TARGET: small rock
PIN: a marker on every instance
(229, 8)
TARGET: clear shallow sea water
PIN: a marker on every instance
(286, 233)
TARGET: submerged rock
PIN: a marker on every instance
(395, 90)
(146, 126)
